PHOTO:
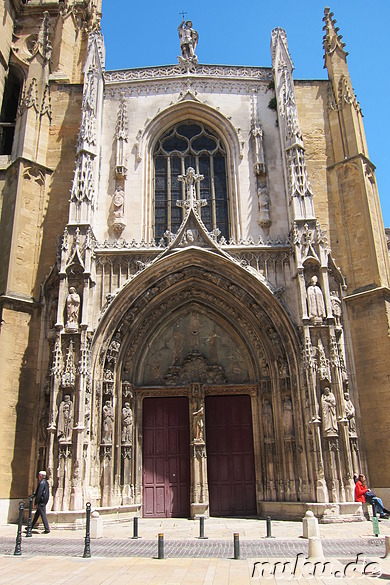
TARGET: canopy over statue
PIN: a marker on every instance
(188, 42)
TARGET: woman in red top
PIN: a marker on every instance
(361, 495)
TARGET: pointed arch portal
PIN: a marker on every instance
(196, 329)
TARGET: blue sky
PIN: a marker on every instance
(140, 34)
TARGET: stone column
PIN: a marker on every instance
(199, 485)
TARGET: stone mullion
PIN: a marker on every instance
(137, 452)
(213, 201)
(169, 194)
(199, 503)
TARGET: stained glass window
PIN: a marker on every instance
(190, 144)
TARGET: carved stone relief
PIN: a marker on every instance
(194, 348)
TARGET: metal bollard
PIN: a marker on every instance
(87, 545)
(135, 527)
(201, 528)
(29, 522)
(18, 544)
(236, 546)
(160, 554)
(269, 531)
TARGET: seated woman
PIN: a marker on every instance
(364, 494)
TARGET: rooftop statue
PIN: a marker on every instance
(188, 42)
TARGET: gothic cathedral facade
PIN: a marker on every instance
(194, 279)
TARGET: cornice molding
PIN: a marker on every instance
(377, 291)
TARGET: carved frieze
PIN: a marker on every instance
(212, 71)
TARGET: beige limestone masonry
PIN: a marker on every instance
(186, 308)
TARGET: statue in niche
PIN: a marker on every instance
(127, 424)
(323, 365)
(264, 219)
(72, 309)
(268, 420)
(287, 417)
(350, 414)
(315, 301)
(282, 367)
(329, 418)
(118, 201)
(188, 41)
(198, 425)
(108, 422)
(336, 308)
(65, 420)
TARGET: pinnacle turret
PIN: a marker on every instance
(332, 40)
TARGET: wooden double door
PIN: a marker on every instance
(166, 456)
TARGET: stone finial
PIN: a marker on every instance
(332, 40)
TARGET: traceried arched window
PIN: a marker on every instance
(190, 144)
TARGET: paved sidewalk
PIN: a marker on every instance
(56, 558)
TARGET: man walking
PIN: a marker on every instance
(41, 499)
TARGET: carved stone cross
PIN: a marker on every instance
(191, 202)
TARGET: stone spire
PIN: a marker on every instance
(342, 99)
(297, 182)
(332, 40)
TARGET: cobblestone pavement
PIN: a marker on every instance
(45, 545)
(117, 559)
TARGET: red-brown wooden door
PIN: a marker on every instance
(166, 457)
(230, 456)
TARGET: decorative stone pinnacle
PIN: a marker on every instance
(191, 179)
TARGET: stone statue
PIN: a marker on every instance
(268, 421)
(72, 309)
(315, 301)
(329, 418)
(350, 414)
(287, 416)
(127, 424)
(118, 200)
(198, 425)
(65, 420)
(188, 41)
(264, 218)
(108, 422)
(336, 308)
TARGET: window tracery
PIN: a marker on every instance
(190, 144)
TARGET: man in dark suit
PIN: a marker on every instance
(41, 499)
